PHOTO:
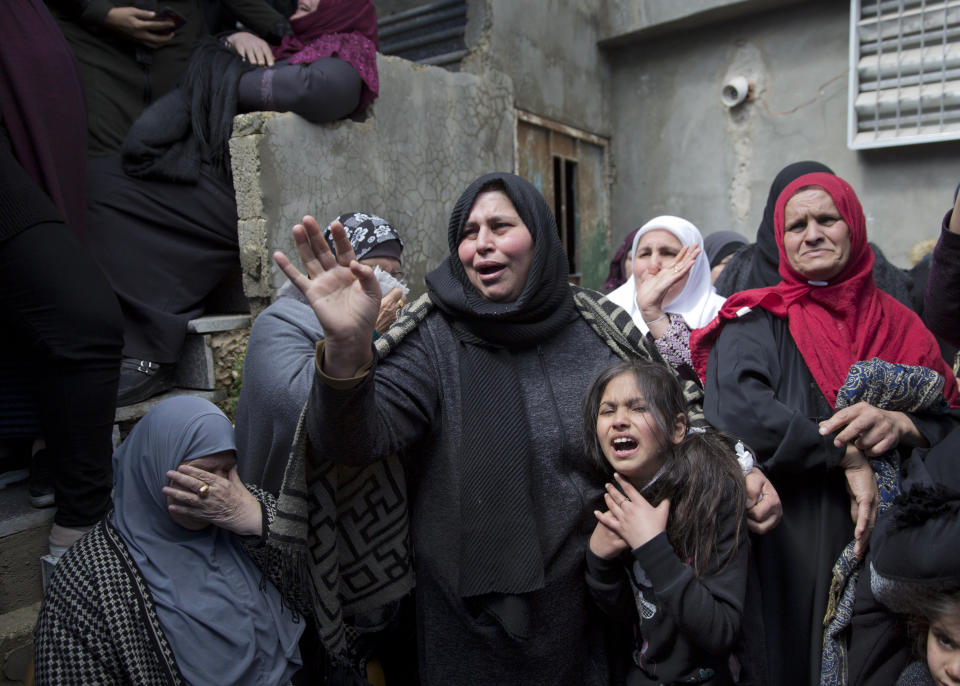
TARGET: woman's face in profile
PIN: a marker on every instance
(496, 248)
(816, 239)
(218, 463)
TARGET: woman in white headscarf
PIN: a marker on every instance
(670, 293)
(153, 596)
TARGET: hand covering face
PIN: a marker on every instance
(698, 301)
(222, 627)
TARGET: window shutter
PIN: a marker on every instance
(904, 72)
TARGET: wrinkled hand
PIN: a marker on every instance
(251, 48)
(764, 509)
(651, 293)
(343, 293)
(391, 302)
(872, 430)
(138, 25)
(228, 503)
(630, 516)
(864, 496)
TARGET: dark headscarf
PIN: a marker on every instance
(545, 305)
(755, 266)
(500, 547)
(369, 235)
(720, 244)
(618, 273)
(914, 545)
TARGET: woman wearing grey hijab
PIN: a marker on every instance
(155, 596)
(278, 368)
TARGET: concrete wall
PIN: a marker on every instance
(678, 150)
(549, 49)
(429, 134)
(627, 20)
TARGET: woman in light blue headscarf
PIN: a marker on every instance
(151, 596)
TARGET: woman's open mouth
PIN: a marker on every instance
(489, 271)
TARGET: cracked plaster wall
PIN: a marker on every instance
(678, 150)
(429, 134)
(549, 49)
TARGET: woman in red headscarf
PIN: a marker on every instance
(774, 360)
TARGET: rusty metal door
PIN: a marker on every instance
(570, 168)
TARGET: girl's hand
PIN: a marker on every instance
(343, 293)
(227, 504)
(604, 543)
(630, 516)
(251, 48)
(764, 509)
(652, 292)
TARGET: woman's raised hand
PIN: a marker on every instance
(651, 293)
(630, 516)
(344, 294)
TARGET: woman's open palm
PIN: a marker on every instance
(344, 294)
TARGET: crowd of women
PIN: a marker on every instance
(508, 480)
(521, 481)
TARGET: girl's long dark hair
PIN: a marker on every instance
(701, 475)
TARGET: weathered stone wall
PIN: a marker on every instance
(429, 134)
(678, 150)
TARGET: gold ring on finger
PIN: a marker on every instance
(203, 491)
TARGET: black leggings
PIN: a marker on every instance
(63, 315)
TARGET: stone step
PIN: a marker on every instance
(16, 644)
(195, 368)
(23, 540)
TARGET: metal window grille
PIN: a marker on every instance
(904, 72)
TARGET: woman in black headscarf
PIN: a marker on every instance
(479, 393)
(755, 266)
